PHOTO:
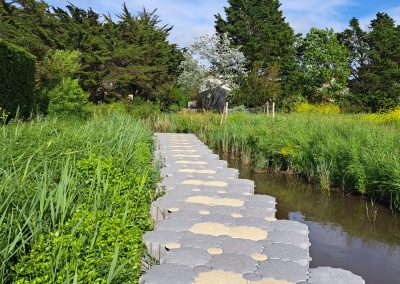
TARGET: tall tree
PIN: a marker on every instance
(211, 62)
(324, 61)
(266, 39)
(380, 78)
(129, 56)
(264, 85)
(143, 62)
(355, 39)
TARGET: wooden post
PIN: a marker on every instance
(224, 115)
(268, 108)
(226, 110)
(273, 109)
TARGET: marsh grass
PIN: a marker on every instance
(330, 150)
(74, 199)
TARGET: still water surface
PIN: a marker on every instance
(343, 232)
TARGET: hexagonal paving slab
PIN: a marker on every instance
(211, 228)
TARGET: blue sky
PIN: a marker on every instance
(193, 18)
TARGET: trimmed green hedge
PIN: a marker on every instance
(17, 79)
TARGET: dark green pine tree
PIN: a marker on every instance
(83, 31)
(266, 39)
(28, 23)
(380, 77)
(144, 64)
(355, 39)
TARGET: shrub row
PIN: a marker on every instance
(17, 79)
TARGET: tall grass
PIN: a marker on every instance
(74, 199)
(332, 151)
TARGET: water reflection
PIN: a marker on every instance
(345, 231)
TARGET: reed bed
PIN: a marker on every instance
(333, 151)
(74, 199)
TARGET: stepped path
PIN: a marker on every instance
(212, 229)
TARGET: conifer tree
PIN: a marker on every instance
(355, 39)
(266, 39)
(130, 55)
(380, 88)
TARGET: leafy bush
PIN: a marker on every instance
(104, 109)
(144, 110)
(325, 108)
(392, 116)
(85, 249)
(75, 199)
(17, 79)
(174, 100)
(68, 98)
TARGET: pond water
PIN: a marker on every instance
(345, 231)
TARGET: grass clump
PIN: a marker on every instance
(75, 197)
(332, 151)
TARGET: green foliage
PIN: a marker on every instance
(174, 99)
(265, 38)
(259, 28)
(75, 199)
(262, 85)
(374, 61)
(382, 73)
(84, 249)
(59, 65)
(390, 117)
(326, 108)
(3, 115)
(330, 150)
(325, 66)
(119, 58)
(68, 98)
(144, 110)
(17, 80)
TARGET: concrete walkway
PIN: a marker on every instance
(212, 229)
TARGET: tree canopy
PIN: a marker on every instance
(211, 57)
(324, 62)
(127, 56)
(265, 38)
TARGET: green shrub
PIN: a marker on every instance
(326, 108)
(75, 195)
(392, 116)
(85, 249)
(104, 109)
(68, 98)
(17, 80)
(174, 100)
(144, 110)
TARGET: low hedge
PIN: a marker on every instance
(17, 79)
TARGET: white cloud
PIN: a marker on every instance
(190, 19)
(193, 18)
(305, 14)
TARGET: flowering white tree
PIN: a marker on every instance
(211, 57)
